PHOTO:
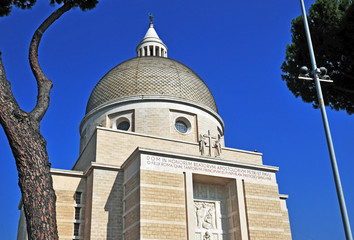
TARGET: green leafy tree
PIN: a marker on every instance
(331, 24)
(23, 129)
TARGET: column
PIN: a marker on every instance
(190, 205)
(241, 209)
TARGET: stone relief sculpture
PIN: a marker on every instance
(217, 146)
(199, 214)
(208, 220)
(205, 215)
(210, 142)
(207, 236)
(202, 144)
(206, 141)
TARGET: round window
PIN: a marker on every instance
(124, 125)
(182, 125)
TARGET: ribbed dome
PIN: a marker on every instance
(154, 76)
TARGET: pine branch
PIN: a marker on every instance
(43, 83)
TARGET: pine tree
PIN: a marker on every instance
(331, 24)
(23, 129)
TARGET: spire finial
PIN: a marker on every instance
(151, 17)
(151, 45)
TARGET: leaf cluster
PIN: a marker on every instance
(331, 24)
(6, 5)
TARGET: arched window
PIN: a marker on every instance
(123, 123)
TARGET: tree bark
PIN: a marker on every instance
(29, 146)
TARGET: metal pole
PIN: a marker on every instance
(338, 184)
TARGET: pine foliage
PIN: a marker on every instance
(331, 24)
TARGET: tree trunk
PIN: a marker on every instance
(29, 149)
(29, 146)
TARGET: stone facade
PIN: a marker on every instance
(156, 167)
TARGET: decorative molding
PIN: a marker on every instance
(162, 204)
(162, 187)
(263, 198)
(265, 213)
(283, 196)
(163, 222)
(267, 229)
(71, 173)
(151, 98)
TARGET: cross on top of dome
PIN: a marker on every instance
(151, 17)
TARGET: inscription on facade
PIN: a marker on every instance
(159, 163)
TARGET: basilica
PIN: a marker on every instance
(153, 163)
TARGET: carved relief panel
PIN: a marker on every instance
(205, 214)
(210, 212)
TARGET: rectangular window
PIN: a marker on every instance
(76, 229)
(77, 213)
(78, 197)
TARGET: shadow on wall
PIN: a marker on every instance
(114, 207)
(79, 198)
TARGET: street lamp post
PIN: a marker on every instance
(338, 184)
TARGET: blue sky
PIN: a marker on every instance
(236, 47)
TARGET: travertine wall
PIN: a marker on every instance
(233, 212)
(88, 208)
(151, 204)
(114, 147)
(162, 209)
(154, 206)
(205, 124)
(132, 207)
(156, 118)
(285, 217)
(192, 134)
(153, 121)
(87, 155)
(65, 188)
(107, 204)
(266, 218)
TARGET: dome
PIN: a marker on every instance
(151, 76)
